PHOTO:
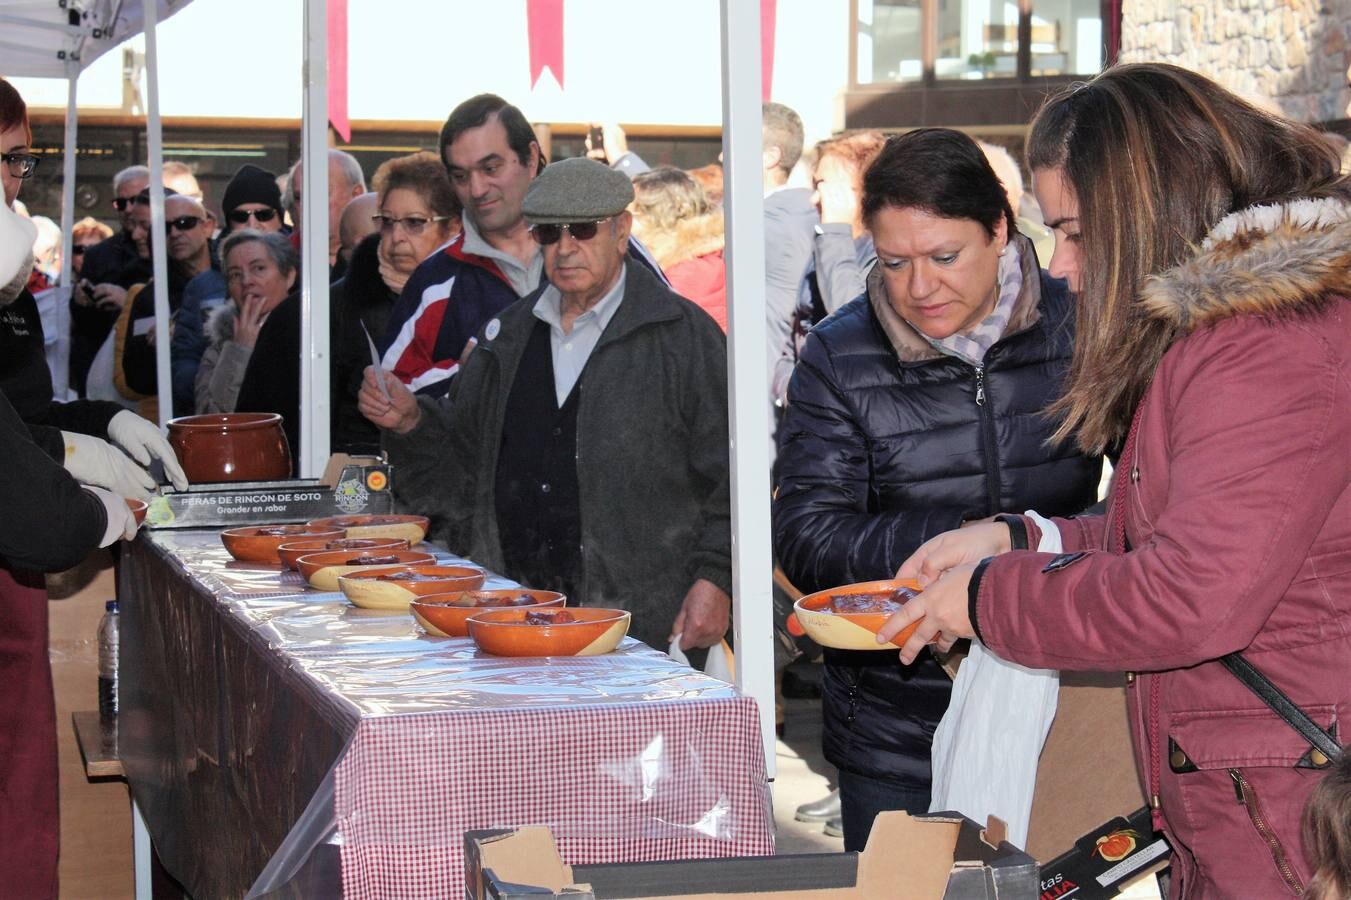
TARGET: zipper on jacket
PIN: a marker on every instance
(988, 445)
(1248, 799)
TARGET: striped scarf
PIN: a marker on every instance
(971, 346)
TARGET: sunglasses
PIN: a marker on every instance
(545, 235)
(21, 165)
(242, 216)
(121, 203)
(182, 223)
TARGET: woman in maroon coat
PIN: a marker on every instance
(1210, 244)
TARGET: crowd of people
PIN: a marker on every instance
(950, 358)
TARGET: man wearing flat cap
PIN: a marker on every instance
(583, 446)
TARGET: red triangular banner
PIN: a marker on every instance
(544, 24)
(337, 69)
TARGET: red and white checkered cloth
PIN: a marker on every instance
(625, 757)
(631, 782)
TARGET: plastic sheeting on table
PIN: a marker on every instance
(257, 708)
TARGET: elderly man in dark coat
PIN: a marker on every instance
(583, 447)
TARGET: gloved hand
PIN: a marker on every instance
(97, 462)
(121, 521)
(142, 440)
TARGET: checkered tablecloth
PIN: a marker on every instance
(625, 757)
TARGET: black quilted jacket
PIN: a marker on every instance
(886, 443)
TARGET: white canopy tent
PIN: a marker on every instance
(47, 38)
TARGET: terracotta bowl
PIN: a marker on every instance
(290, 552)
(444, 615)
(231, 447)
(138, 508)
(323, 569)
(411, 528)
(850, 631)
(248, 545)
(375, 589)
(504, 632)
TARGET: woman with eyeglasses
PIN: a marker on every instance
(417, 213)
(260, 271)
(251, 200)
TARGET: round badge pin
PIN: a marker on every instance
(493, 328)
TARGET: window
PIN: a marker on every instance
(890, 41)
(906, 41)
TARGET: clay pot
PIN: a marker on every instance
(231, 447)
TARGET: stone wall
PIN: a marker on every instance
(1293, 53)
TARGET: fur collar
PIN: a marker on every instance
(220, 325)
(690, 239)
(1288, 257)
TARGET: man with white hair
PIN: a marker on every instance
(345, 183)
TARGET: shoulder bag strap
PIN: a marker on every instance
(1283, 706)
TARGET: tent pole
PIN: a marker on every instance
(61, 373)
(154, 132)
(752, 561)
(314, 315)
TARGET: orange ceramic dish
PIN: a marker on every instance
(323, 568)
(393, 587)
(593, 631)
(411, 528)
(138, 508)
(850, 630)
(444, 615)
(257, 543)
(289, 553)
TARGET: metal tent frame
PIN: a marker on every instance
(44, 39)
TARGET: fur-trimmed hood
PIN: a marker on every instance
(1283, 258)
(691, 239)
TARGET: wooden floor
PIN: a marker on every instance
(95, 816)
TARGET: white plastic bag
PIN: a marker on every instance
(986, 748)
(720, 664)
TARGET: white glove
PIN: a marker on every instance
(142, 440)
(121, 522)
(97, 462)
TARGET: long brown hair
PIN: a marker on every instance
(1156, 156)
(1327, 834)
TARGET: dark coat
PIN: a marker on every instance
(652, 453)
(272, 380)
(27, 382)
(361, 296)
(883, 446)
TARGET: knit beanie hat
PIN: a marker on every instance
(251, 185)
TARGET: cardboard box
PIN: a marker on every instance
(1106, 859)
(907, 858)
(1086, 776)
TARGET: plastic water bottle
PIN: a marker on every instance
(108, 661)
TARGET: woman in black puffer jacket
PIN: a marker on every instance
(913, 409)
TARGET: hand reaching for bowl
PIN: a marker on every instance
(966, 545)
(943, 607)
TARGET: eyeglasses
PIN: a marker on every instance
(121, 203)
(412, 225)
(242, 216)
(545, 235)
(21, 165)
(182, 223)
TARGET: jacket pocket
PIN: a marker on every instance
(1241, 792)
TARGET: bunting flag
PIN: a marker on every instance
(337, 69)
(544, 24)
(768, 13)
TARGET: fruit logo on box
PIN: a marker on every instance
(351, 495)
(1116, 846)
